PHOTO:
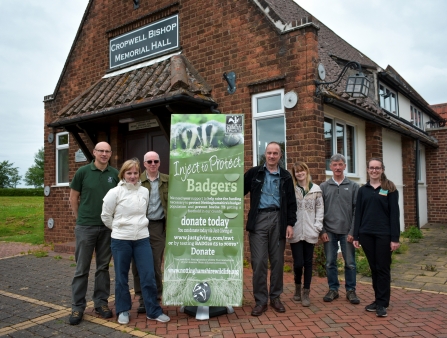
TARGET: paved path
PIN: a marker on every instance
(35, 302)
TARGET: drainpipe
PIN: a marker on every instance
(416, 184)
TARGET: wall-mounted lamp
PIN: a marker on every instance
(231, 80)
(356, 85)
(126, 120)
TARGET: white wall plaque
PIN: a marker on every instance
(143, 124)
(79, 156)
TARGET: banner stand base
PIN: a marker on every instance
(205, 312)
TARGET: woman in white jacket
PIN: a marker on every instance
(307, 228)
(124, 211)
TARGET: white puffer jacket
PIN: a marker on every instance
(124, 211)
(309, 215)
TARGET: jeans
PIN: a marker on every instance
(266, 245)
(378, 252)
(348, 252)
(157, 239)
(302, 253)
(140, 250)
(89, 239)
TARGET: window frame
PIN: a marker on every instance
(383, 100)
(58, 148)
(417, 117)
(349, 161)
(264, 116)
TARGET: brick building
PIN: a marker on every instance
(114, 89)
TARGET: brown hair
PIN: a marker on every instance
(301, 166)
(127, 166)
(385, 183)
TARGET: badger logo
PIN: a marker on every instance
(201, 292)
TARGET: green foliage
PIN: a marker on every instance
(287, 268)
(319, 261)
(9, 176)
(21, 192)
(39, 253)
(402, 249)
(246, 264)
(429, 267)
(21, 219)
(413, 233)
(57, 257)
(34, 175)
(362, 263)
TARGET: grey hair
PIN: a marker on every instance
(337, 158)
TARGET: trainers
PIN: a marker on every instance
(104, 311)
(141, 309)
(381, 311)
(331, 295)
(75, 317)
(124, 317)
(161, 318)
(373, 307)
(352, 297)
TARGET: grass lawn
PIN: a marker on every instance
(21, 219)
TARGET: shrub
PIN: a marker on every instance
(21, 192)
(413, 233)
(319, 261)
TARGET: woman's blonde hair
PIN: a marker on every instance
(127, 166)
(385, 183)
(301, 166)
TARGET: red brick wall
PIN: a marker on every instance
(408, 170)
(373, 138)
(216, 37)
(437, 178)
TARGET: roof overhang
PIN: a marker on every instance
(380, 117)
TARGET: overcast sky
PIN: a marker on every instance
(36, 36)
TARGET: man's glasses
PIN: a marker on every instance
(375, 168)
(103, 151)
(150, 161)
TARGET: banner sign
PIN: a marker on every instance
(203, 264)
(151, 40)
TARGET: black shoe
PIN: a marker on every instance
(331, 295)
(104, 311)
(75, 317)
(141, 309)
(352, 297)
(371, 307)
(381, 311)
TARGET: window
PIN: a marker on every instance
(269, 124)
(417, 118)
(62, 158)
(388, 99)
(339, 137)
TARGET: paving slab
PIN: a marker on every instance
(35, 302)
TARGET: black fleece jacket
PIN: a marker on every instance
(253, 182)
(377, 213)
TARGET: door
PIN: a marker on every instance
(139, 143)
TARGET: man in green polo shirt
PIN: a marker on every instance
(88, 187)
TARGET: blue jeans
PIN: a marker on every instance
(89, 239)
(140, 250)
(348, 252)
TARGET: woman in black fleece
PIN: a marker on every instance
(377, 229)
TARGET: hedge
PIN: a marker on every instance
(21, 192)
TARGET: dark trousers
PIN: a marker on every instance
(266, 245)
(378, 252)
(302, 253)
(157, 239)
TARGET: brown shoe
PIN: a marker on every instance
(277, 305)
(258, 310)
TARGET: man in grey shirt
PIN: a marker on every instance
(339, 195)
(157, 183)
